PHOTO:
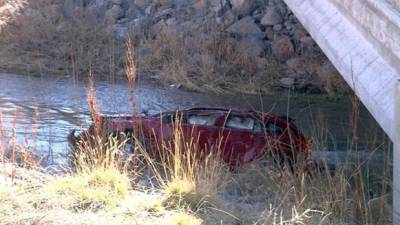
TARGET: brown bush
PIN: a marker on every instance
(198, 60)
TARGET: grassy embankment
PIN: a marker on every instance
(110, 188)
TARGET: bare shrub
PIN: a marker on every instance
(330, 79)
(208, 60)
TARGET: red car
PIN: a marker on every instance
(240, 135)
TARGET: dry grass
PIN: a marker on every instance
(99, 197)
(256, 195)
(40, 40)
(330, 80)
(212, 61)
(188, 191)
(185, 178)
(260, 193)
(8, 10)
(92, 190)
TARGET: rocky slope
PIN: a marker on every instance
(256, 41)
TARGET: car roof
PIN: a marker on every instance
(224, 110)
(220, 110)
(239, 111)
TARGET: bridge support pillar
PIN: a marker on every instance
(396, 161)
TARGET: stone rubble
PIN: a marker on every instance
(267, 26)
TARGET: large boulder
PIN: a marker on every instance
(272, 17)
(282, 48)
(143, 3)
(244, 7)
(246, 27)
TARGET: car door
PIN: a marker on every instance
(158, 132)
(201, 131)
(238, 139)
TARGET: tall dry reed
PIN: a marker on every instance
(1, 138)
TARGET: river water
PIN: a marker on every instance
(43, 109)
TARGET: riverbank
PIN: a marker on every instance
(28, 196)
(257, 194)
(207, 46)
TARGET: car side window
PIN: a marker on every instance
(240, 122)
(172, 117)
(258, 126)
(273, 128)
(167, 117)
(202, 120)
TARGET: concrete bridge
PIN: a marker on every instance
(362, 40)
